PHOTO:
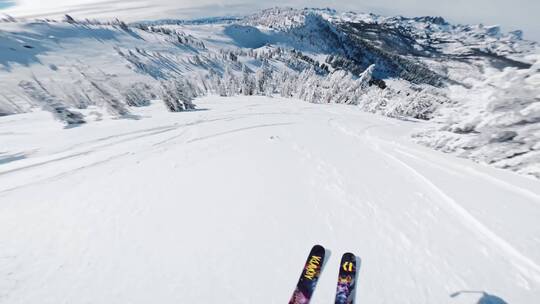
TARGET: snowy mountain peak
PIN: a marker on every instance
(431, 19)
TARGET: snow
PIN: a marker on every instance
(495, 121)
(222, 205)
(108, 196)
(132, 9)
(68, 66)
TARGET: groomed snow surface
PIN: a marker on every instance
(222, 205)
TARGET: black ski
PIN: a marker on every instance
(308, 280)
(346, 279)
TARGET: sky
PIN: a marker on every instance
(6, 4)
(511, 15)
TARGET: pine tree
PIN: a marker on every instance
(248, 83)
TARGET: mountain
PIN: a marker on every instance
(198, 161)
(408, 68)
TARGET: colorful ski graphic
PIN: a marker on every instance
(310, 275)
(346, 279)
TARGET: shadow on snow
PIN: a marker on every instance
(485, 299)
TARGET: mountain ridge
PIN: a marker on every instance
(408, 68)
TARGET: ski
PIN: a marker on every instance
(310, 274)
(346, 279)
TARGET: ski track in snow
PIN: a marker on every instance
(142, 211)
(476, 225)
(526, 265)
(534, 197)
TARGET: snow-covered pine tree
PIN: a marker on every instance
(248, 82)
(178, 94)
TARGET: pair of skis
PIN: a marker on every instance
(312, 270)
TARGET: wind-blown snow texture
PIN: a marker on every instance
(221, 205)
(396, 66)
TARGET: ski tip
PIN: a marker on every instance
(318, 247)
(351, 258)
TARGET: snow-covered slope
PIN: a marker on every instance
(400, 67)
(221, 205)
(111, 192)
